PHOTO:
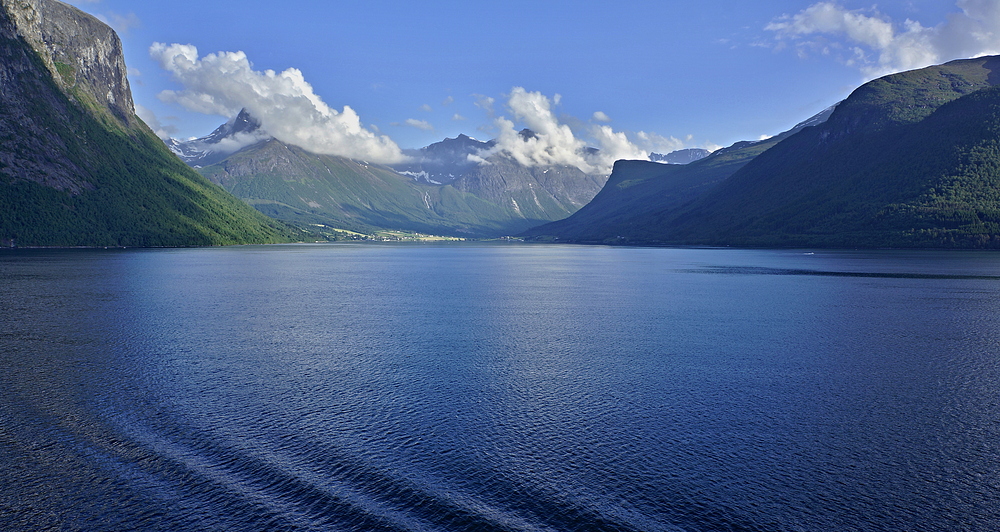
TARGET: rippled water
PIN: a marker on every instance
(498, 387)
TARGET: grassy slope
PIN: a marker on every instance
(640, 192)
(303, 188)
(135, 193)
(910, 160)
(861, 178)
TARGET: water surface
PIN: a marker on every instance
(498, 387)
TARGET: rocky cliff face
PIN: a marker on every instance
(77, 168)
(31, 114)
(83, 54)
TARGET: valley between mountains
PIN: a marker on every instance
(907, 160)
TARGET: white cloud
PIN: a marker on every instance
(485, 103)
(615, 145)
(426, 107)
(599, 116)
(553, 142)
(422, 125)
(225, 82)
(237, 142)
(448, 101)
(456, 117)
(878, 46)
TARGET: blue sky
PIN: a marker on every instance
(684, 74)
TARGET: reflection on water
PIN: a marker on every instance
(498, 387)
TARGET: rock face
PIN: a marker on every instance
(443, 162)
(77, 167)
(83, 54)
(303, 188)
(539, 192)
(32, 149)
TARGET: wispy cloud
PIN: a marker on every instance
(286, 105)
(422, 125)
(872, 42)
(485, 103)
(426, 108)
(600, 116)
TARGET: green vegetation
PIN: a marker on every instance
(909, 160)
(640, 192)
(67, 73)
(79, 176)
(309, 190)
(139, 195)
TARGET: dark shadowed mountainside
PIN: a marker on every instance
(639, 193)
(908, 160)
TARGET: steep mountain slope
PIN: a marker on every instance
(908, 160)
(536, 192)
(641, 193)
(76, 166)
(300, 187)
(441, 192)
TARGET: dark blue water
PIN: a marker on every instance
(499, 387)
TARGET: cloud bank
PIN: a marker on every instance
(553, 142)
(878, 46)
(225, 82)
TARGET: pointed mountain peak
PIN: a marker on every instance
(236, 134)
(244, 122)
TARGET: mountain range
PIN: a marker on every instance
(440, 190)
(908, 160)
(639, 194)
(77, 167)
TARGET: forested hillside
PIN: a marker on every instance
(908, 160)
(77, 168)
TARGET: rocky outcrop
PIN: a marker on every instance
(83, 54)
(31, 148)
